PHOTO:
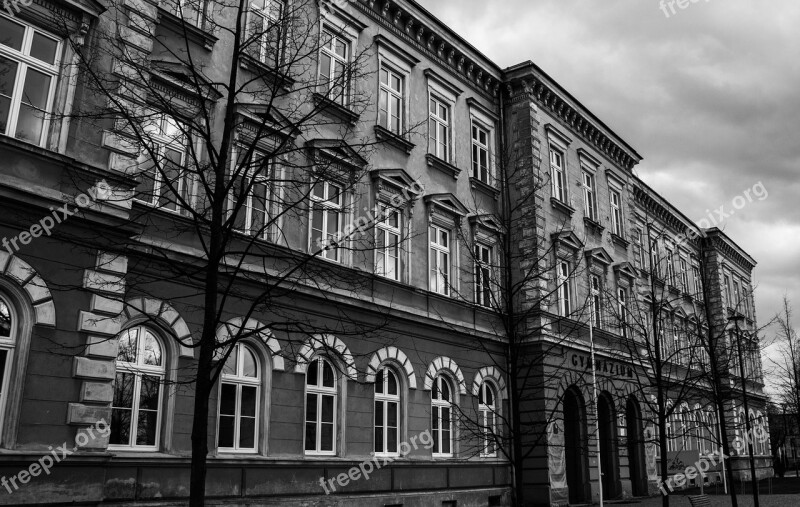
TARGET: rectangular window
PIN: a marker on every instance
(728, 298)
(389, 227)
(698, 281)
(589, 196)
(622, 311)
(192, 11)
(737, 299)
(440, 260)
(326, 220)
(265, 29)
(596, 300)
(655, 260)
(391, 101)
(616, 213)
(165, 181)
(480, 154)
(558, 174)
(670, 267)
(483, 275)
(439, 129)
(29, 62)
(640, 249)
(251, 193)
(564, 290)
(684, 275)
(334, 58)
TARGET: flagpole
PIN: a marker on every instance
(596, 408)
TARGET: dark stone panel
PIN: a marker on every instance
(283, 481)
(120, 483)
(164, 483)
(470, 477)
(412, 478)
(63, 485)
(224, 482)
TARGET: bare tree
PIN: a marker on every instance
(785, 363)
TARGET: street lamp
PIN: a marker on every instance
(749, 437)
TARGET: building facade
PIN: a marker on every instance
(98, 345)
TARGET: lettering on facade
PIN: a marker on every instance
(611, 368)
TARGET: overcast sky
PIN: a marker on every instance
(709, 96)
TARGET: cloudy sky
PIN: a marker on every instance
(709, 96)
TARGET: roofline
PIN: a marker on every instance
(716, 231)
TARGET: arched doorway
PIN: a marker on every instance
(575, 446)
(636, 459)
(609, 458)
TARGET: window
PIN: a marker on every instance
(558, 174)
(29, 61)
(727, 282)
(480, 154)
(239, 401)
(655, 257)
(165, 181)
(391, 105)
(8, 331)
(440, 260)
(441, 417)
(670, 267)
(388, 230)
(387, 413)
(252, 192)
(265, 24)
(488, 420)
(334, 57)
(616, 212)
(136, 409)
(564, 291)
(483, 275)
(326, 220)
(439, 129)
(698, 281)
(192, 11)
(589, 196)
(684, 275)
(595, 288)
(320, 427)
(737, 301)
(640, 249)
(622, 311)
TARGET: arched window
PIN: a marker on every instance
(320, 427)
(8, 339)
(239, 401)
(136, 409)
(488, 419)
(387, 412)
(442, 417)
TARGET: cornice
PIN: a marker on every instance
(410, 29)
(650, 204)
(731, 252)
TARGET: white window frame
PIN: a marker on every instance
(25, 62)
(162, 142)
(439, 283)
(320, 392)
(8, 344)
(435, 147)
(615, 198)
(385, 231)
(139, 370)
(336, 252)
(596, 300)
(240, 381)
(328, 83)
(622, 310)
(384, 401)
(386, 90)
(564, 290)
(684, 274)
(698, 281)
(488, 420)
(265, 179)
(182, 5)
(559, 173)
(589, 183)
(271, 17)
(479, 148)
(671, 279)
(438, 405)
(484, 274)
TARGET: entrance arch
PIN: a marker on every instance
(636, 459)
(609, 455)
(576, 446)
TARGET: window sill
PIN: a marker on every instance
(593, 226)
(620, 241)
(336, 110)
(443, 166)
(486, 188)
(252, 64)
(562, 206)
(186, 29)
(387, 136)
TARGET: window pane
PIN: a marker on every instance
(43, 48)
(311, 407)
(311, 436)
(391, 440)
(11, 33)
(312, 373)
(391, 415)
(249, 364)
(379, 413)
(328, 379)
(5, 322)
(123, 390)
(226, 431)
(392, 383)
(8, 73)
(29, 124)
(327, 409)
(247, 433)
(120, 427)
(227, 399)
(148, 425)
(327, 437)
(36, 89)
(152, 351)
(379, 381)
(148, 398)
(249, 401)
(230, 365)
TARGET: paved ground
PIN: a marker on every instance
(725, 501)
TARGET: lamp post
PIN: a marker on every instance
(749, 436)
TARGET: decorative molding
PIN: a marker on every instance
(34, 285)
(328, 344)
(393, 355)
(440, 364)
(166, 315)
(449, 169)
(397, 141)
(257, 330)
(494, 375)
(388, 45)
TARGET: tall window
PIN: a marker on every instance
(388, 230)
(640, 249)
(622, 311)
(698, 281)
(252, 189)
(616, 212)
(440, 260)
(333, 60)
(439, 129)
(558, 174)
(728, 298)
(655, 257)
(136, 409)
(265, 23)
(564, 291)
(320, 427)
(387, 413)
(596, 300)
(327, 214)
(671, 267)
(488, 420)
(737, 301)
(480, 154)
(239, 402)
(391, 100)
(442, 417)
(192, 11)
(29, 62)
(8, 331)
(483, 275)
(684, 275)
(165, 181)
(589, 195)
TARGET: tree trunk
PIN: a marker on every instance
(203, 387)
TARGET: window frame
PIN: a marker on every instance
(326, 85)
(399, 95)
(589, 184)
(322, 203)
(563, 289)
(435, 251)
(268, 180)
(436, 101)
(386, 230)
(385, 399)
(164, 142)
(320, 391)
(558, 173)
(241, 381)
(484, 275)
(622, 310)
(478, 148)
(437, 406)
(616, 212)
(8, 344)
(596, 300)
(26, 62)
(485, 412)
